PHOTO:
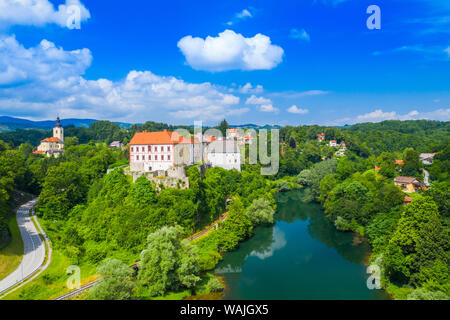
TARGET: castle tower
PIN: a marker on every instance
(58, 130)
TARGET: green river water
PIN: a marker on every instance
(302, 256)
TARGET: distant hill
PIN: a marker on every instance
(13, 123)
(255, 126)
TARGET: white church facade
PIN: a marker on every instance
(53, 146)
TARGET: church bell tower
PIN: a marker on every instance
(58, 130)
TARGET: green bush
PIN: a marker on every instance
(214, 285)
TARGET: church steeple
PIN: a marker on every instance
(58, 123)
(58, 130)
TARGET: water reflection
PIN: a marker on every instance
(302, 256)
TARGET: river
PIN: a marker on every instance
(302, 256)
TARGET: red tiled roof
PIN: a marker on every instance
(400, 162)
(377, 168)
(405, 179)
(407, 199)
(37, 152)
(159, 137)
(51, 139)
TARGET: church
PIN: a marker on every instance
(53, 145)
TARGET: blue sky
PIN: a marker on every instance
(276, 62)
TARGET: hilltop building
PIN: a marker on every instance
(53, 145)
(408, 184)
(427, 158)
(321, 137)
(152, 151)
(333, 143)
(225, 154)
(116, 144)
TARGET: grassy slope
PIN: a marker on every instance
(52, 282)
(11, 254)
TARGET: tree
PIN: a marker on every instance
(63, 188)
(412, 162)
(116, 282)
(168, 263)
(260, 212)
(71, 141)
(143, 192)
(223, 126)
(440, 192)
(214, 285)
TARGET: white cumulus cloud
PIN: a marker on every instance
(294, 109)
(249, 88)
(380, 115)
(264, 104)
(231, 51)
(40, 12)
(43, 80)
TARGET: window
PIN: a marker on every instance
(156, 149)
(137, 157)
(162, 157)
(156, 157)
(162, 149)
(149, 157)
(168, 157)
(149, 149)
(143, 149)
(168, 149)
(143, 158)
(132, 149)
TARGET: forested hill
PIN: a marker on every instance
(395, 135)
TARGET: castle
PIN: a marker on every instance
(53, 145)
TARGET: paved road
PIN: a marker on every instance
(34, 248)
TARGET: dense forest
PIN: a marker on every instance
(107, 220)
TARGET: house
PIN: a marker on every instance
(232, 134)
(321, 137)
(408, 184)
(116, 144)
(53, 146)
(342, 145)
(427, 158)
(333, 143)
(152, 151)
(399, 162)
(407, 200)
(225, 154)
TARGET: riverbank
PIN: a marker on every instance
(302, 256)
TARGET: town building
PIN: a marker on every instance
(153, 151)
(321, 137)
(333, 143)
(53, 146)
(232, 134)
(116, 144)
(427, 158)
(343, 146)
(225, 154)
(408, 184)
